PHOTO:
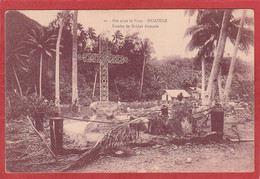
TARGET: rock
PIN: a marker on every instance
(104, 109)
(156, 146)
(178, 161)
(84, 132)
(122, 151)
(128, 109)
(138, 153)
(119, 152)
(188, 160)
(75, 130)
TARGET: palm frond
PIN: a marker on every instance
(204, 35)
(195, 30)
(249, 21)
(32, 51)
(29, 36)
(247, 37)
(47, 52)
(190, 12)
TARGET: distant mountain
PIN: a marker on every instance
(17, 25)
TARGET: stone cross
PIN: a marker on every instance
(103, 57)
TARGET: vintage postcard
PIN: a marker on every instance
(130, 91)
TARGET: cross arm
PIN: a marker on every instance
(116, 59)
(90, 57)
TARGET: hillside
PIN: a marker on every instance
(16, 25)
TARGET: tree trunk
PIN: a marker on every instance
(220, 89)
(17, 80)
(203, 81)
(35, 89)
(234, 59)
(117, 90)
(57, 66)
(94, 87)
(142, 79)
(74, 60)
(40, 78)
(219, 55)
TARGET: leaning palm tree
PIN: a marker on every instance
(15, 60)
(145, 48)
(41, 43)
(205, 35)
(219, 55)
(234, 58)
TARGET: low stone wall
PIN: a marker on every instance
(140, 105)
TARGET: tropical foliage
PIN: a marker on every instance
(40, 43)
(30, 64)
(205, 33)
(205, 36)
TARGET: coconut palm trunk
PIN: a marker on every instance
(142, 78)
(234, 59)
(57, 66)
(17, 81)
(219, 55)
(40, 77)
(203, 81)
(74, 60)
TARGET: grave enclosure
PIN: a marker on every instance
(104, 58)
(216, 117)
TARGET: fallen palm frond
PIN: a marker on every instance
(41, 137)
(116, 136)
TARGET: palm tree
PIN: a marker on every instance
(91, 37)
(41, 43)
(234, 58)
(86, 39)
(74, 60)
(117, 40)
(145, 49)
(61, 17)
(15, 60)
(205, 34)
(219, 54)
(91, 33)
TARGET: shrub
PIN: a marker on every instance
(157, 124)
(30, 105)
(182, 109)
(181, 113)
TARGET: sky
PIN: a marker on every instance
(165, 28)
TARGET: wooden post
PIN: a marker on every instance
(217, 120)
(38, 122)
(56, 131)
(94, 88)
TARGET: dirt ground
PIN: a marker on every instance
(233, 157)
(26, 153)
(214, 157)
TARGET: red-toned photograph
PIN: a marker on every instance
(112, 92)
